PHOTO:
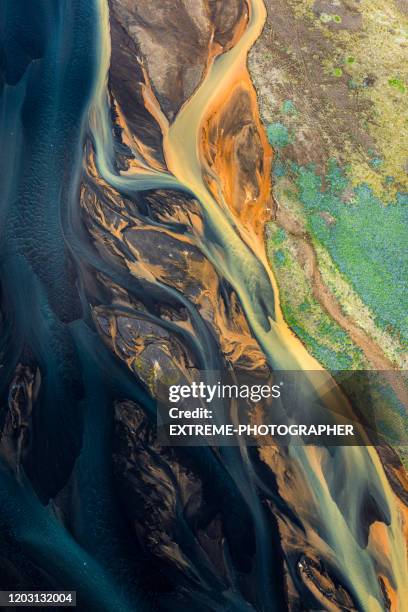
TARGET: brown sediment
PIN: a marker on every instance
(233, 138)
(177, 56)
(235, 154)
(158, 255)
(232, 330)
(380, 544)
(128, 92)
(146, 155)
(390, 595)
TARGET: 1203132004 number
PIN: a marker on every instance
(37, 598)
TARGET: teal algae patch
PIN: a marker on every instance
(278, 134)
(279, 257)
(333, 360)
(325, 339)
(367, 240)
(289, 108)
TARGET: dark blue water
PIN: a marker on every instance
(48, 61)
